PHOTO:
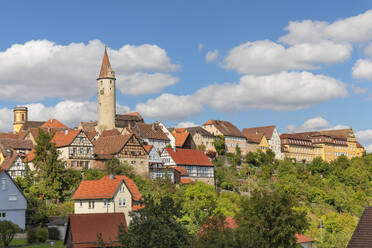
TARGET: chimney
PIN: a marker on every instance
(153, 126)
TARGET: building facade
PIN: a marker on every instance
(297, 148)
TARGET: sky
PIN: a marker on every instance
(299, 65)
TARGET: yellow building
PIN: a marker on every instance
(256, 141)
(20, 118)
(297, 147)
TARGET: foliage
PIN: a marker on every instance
(42, 234)
(219, 144)
(93, 174)
(7, 231)
(155, 226)
(201, 147)
(31, 235)
(53, 233)
(116, 167)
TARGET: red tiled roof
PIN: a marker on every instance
(106, 70)
(111, 132)
(53, 123)
(186, 180)
(266, 130)
(189, 157)
(253, 137)
(180, 138)
(181, 170)
(303, 238)
(30, 156)
(148, 148)
(105, 188)
(85, 227)
(7, 163)
(64, 138)
(151, 131)
(362, 235)
(16, 144)
(225, 127)
(8, 136)
(91, 135)
(111, 144)
(134, 113)
(88, 126)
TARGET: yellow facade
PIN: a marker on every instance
(2, 158)
(297, 148)
(264, 144)
(20, 118)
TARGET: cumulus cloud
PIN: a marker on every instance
(283, 91)
(353, 29)
(211, 55)
(138, 83)
(266, 57)
(68, 112)
(40, 68)
(170, 107)
(362, 69)
(315, 124)
(186, 124)
(368, 50)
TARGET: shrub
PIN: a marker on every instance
(42, 234)
(53, 233)
(31, 236)
(7, 231)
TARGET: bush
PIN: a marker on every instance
(53, 233)
(31, 236)
(42, 234)
(7, 231)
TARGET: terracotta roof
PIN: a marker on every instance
(127, 119)
(226, 128)
(64, 138)
(105, 188)
(53, 123)
(111, 132)
(303, 238)
(294, 136)
(135, 114)
(30, 156)
(111, 144)
(180, 138)
(186, 180)
(189, 157)
(32, 124)
(266, 130)
(195, 130)
(181, 170)
(151, 131)
(84, 228)
(106, 70)
(8, 136)
(16, 144)
(8, 162)
(91, 135)
(148, 148)
(253, 137)
(341, 133)
(362, 237)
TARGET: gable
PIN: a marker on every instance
(133, 148)
(11, 189)
(81, 140)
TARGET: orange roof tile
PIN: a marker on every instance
(151, 131)
(226, 128)
(8, 162)
(181, 170)
(64, 138)
(8, 136)
(266, 130)
(30, 156)
(180, 138)
(303, 238)
(111, 132)
(186, 180)
(148, 148)
(105, 188)
(53, 123)
(189, 157)
(106, 70)
(111, 144)
(105, 223)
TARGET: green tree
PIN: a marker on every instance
(49, 169)
(7, 231)
(155, 226)
(115, 167)
(93, 174)
(201, 147)
(238, 156)
(274, 217)
(219, 144)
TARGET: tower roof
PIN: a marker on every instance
(106, 70)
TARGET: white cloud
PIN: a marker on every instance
(315, 124)
(364, 136)
(68, 112)
(362, 69)
(368, 50)
(186, 124)
(211, 55)
(200, 47)
(352, 29)
(45, 69)
(145, 83)
(266, 57)
(358, 90)
(283, 91)
(170, 107)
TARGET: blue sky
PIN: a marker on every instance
(257, 72)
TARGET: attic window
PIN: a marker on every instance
(3, 184)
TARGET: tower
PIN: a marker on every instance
(106, 95)
(20, 118)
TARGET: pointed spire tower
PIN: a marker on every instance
(106, 95)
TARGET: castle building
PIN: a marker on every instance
(106, 97)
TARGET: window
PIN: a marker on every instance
(91, 204)
(87, 163)
(3, 184)
(88, 150)
(122, 202)
(74, 163)
(12, 197)
(2, 215)
(74, 150)
(81, 204)
(81, 150)
(105, 203)
(102, 91)
(122, 188)
(133, 162)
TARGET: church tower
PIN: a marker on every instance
(106, 95)
(20, 118)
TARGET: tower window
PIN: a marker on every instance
(102, 91)
(23, 117)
